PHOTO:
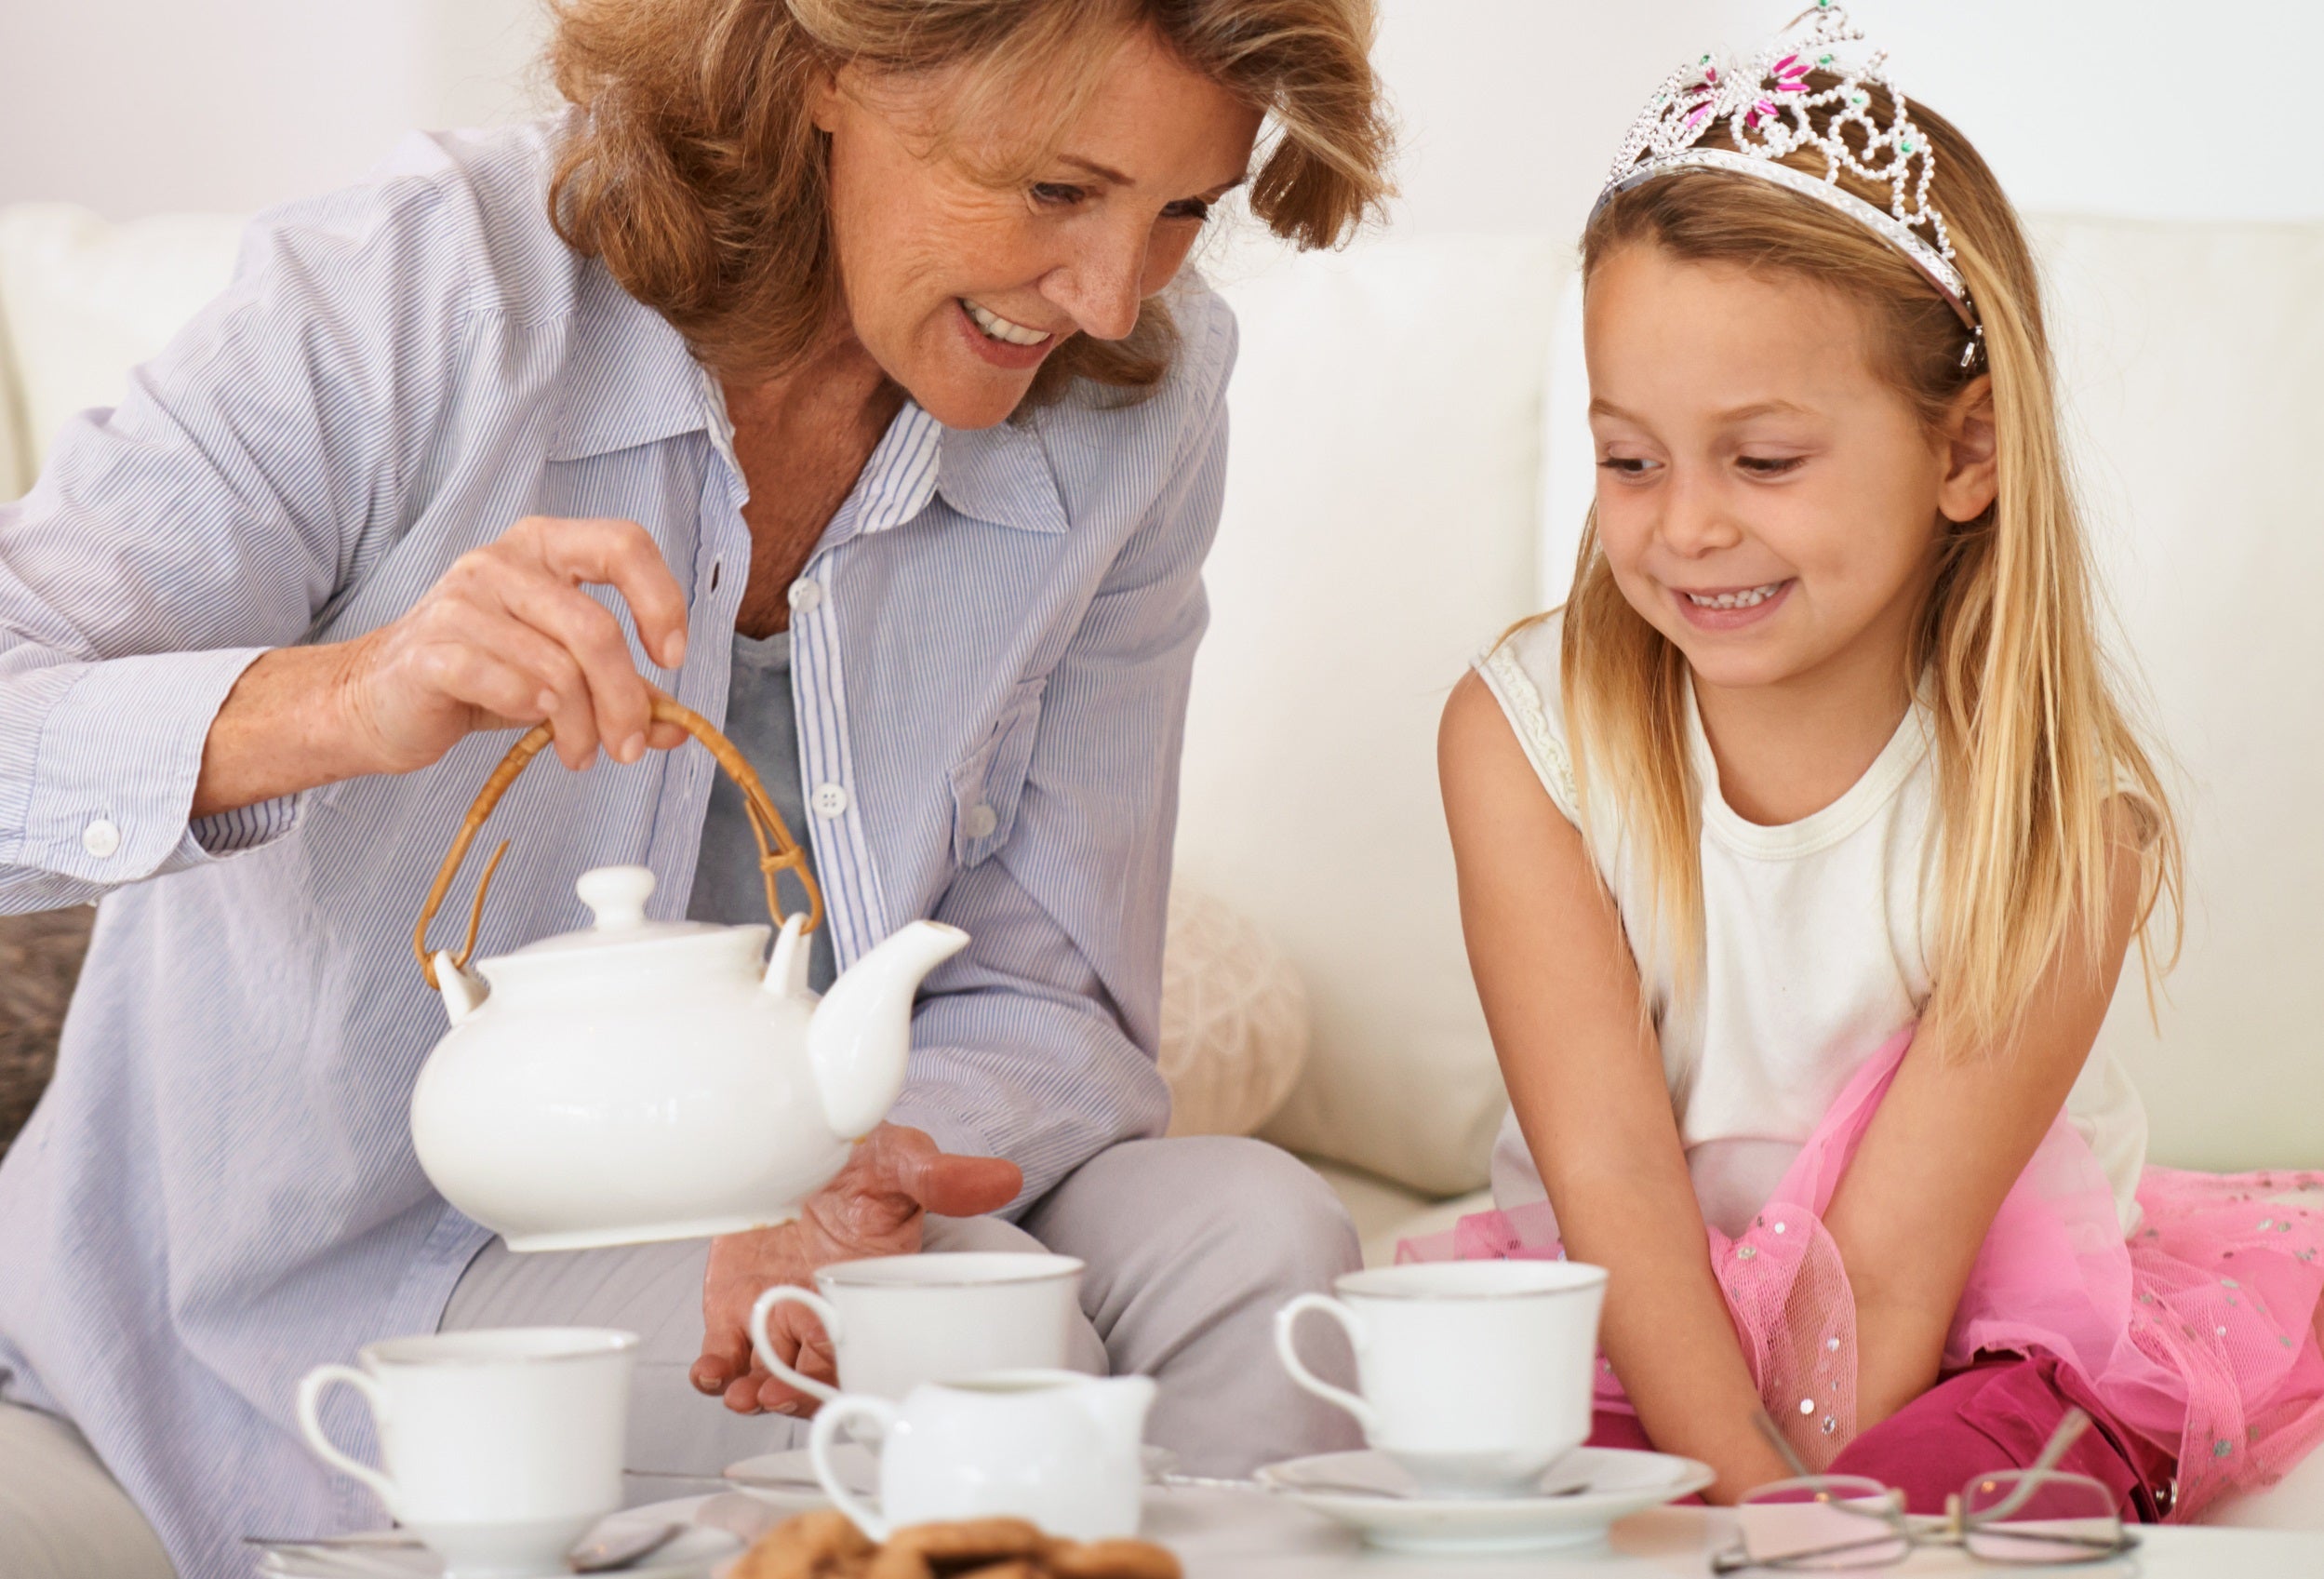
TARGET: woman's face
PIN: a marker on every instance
(960, 290)
(1766, 498)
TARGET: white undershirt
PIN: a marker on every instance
(1815, 952)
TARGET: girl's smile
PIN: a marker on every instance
(1731, 608)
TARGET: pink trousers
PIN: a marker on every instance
(1997, 1414)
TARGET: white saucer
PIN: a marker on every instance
(690, 1555)
(1582, 1494)
(787, 1480)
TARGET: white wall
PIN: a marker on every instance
(2155, 109)
(2088, 106)
(1512, 107)
(142, 106)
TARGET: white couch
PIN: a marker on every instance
(1409, 474)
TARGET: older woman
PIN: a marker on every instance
(835, 344)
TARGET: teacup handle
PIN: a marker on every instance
(828, 1422)
(824, 1391)
(311, 1391)
(1286, 1321)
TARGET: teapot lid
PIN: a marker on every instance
(616, 896)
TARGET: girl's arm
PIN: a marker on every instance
(1584, 1072)
(1951, 1137)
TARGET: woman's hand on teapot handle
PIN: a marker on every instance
(892, 1180)
(506, 637)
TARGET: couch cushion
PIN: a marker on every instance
(2193, 358)
(16, 468)
(40, 959)
(82, 302)
(1233, 1019)
(1381, 494)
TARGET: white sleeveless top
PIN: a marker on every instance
(1815, 952)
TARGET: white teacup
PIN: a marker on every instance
(896, 1321)
(1476, 1375)
(500, 1447)
(1054, 1447)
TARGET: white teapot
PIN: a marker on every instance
(646, 1080)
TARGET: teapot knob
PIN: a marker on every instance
(616, 895)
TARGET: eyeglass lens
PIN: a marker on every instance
(2014, 1517)
(1834, 1523)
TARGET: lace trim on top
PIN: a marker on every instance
(1521, 701)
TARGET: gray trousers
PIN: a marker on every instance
(61, 1517)
(1191, 1245)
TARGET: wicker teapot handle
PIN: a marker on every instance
(778, 851)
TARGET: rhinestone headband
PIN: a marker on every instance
(1765, 103)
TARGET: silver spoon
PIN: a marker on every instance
(596, 1554)
(1330, 1488)
(621, 1548)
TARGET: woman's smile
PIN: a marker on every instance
(999, 341)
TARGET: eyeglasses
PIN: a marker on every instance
(2040, 1515)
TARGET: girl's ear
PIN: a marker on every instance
(1972, 455)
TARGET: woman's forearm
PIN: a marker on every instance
(283, 729)
(506, 637)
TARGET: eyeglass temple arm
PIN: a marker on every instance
(2069, 1431)
(1781, 1444)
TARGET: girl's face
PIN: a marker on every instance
(1765, 498)
(960, 290)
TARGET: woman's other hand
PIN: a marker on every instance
(892, 1180)
(505, 638)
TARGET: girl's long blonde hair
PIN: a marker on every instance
(2033, 747)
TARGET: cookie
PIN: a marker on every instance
(1111, 1559)
(955, 1547)
(822, 1544)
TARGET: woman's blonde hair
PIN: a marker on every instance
(696, 172)
(2033, 748)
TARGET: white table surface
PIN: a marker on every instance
(1247, 1535)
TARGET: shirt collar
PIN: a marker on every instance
(632, 381)
(629, 378)
(1000, 474)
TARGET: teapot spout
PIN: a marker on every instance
(861, 1037)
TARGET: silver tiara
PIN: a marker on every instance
(1765, 103)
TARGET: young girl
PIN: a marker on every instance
(1800, 851)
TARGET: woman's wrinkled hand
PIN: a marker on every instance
(892, 1180)
(507, 637)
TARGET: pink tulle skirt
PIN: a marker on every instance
(2200, 1334)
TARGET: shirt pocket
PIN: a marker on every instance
(987, 783)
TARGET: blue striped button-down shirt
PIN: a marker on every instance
(991, 655)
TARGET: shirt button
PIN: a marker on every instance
(807, 595)
(981, 821)
(101, 838)
(831, 800)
